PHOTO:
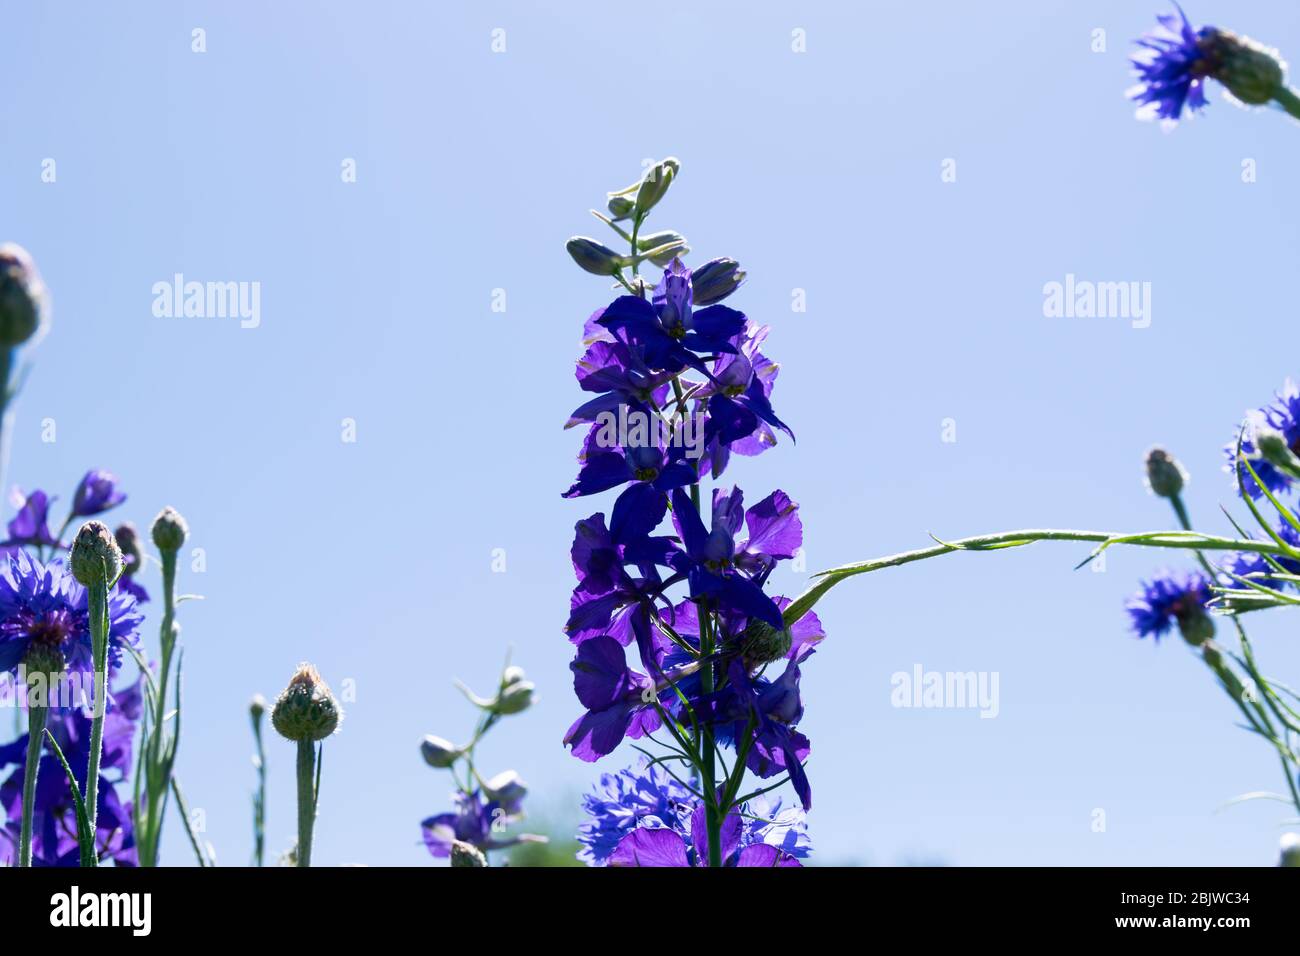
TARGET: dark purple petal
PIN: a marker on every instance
(650, 847)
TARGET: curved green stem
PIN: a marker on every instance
(36, 717)
(306, 799)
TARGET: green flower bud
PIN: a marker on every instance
(257, 707)
(169, 530)
(22, 296)
(128, 541)
(466, 854)
(512, 674)
(42, 658)
(595, 258)
(306, 710)
(666, 245)
(96, 558)
(715, 280)
(620, 207)
(438, 752)
(762, 643)
(655, 184)
(1273, 448)
(1251, 72)
(1290, 850)
(1165, 475)
(514, 698)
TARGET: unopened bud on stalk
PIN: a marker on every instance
(256, 708)
(128, 540)
(96, 558)
(438, 752)
(22, 296)
(466, 854)
(594, 257)
(1195, 624)
(1251, 72)
(515, 697)
(1290, 850)
(762, 643)
(44, 659)
(1273, 448)
(169, 530)
(672, 243)
(715, 280)
(506, 789)
(306, 710)
(1165, 474)
(655, 184)
(620, 207)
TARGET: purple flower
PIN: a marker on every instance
(477, 821)
(96, 494)
(620, 702)
(647, 797)
(646, 846)
(1169, 598)
(30, 526)
(716, 566)
(1244, 563)
(53, 816)
(46, 604)
(1281, 415)
(668, 328)
(1171, 67)
(619, 375)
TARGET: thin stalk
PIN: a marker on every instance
(97, 605)
(306, 799)
(712, 818)
(259, 801)
(1286, 98)
(36, 718)
(157, 771)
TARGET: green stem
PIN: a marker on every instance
(1011, 539)
(712, 816)
(259, 801)
(36, 717)
(158, 772)
(1286, 98)
(97, 605)
(306, 799)
(6, 393)
(184, 808)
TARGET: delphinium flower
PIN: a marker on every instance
(306, 712)
(1174, 61)
(53, 812)
(484, 810)
(690, 592)
(648, 797)
(96, 493)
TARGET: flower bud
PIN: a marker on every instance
(128, 541)
(96, 558)
(620, 207)
(655, 184)
(1195, 624)
(762, 643)
(1251, 72)
(512, 674)
(715, 280)
(1290, 850)
(257, 707)
(466, 854)
(22, 296)
(1273, 448)
(44, 659)
(514, 698)
(592, 256)
(1165, 475)
(438, 752)
(666, 246)
(169, 530)
(306, 710)
(507, 790)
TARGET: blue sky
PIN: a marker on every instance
(820, 171)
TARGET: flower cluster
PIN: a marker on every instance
(679, 384)
(484, 810)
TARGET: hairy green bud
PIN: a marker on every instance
(762, 643)
(96, 558)
(128, 541)
(1290, 850)
(1165, 475)
(22, 296)
(306, 710)
(466, 854)
(1251, 72)
(169, 530)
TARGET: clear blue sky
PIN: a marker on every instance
(819, 171)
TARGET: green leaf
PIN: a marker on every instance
(85, 843)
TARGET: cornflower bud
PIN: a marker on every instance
(466, 854)
(256, 708)
(96, 558)
(306, 710)
(22, 296)
(169, 530)
(1165, 475)
(762, 643)
(128, 541)
(1290, 850)
(1251, 72)
(1273, 448)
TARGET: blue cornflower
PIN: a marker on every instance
(649, 798)
(45, 604)
(1281, 415)
(1172, 598)
(1244, 563)
(1171, 67)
